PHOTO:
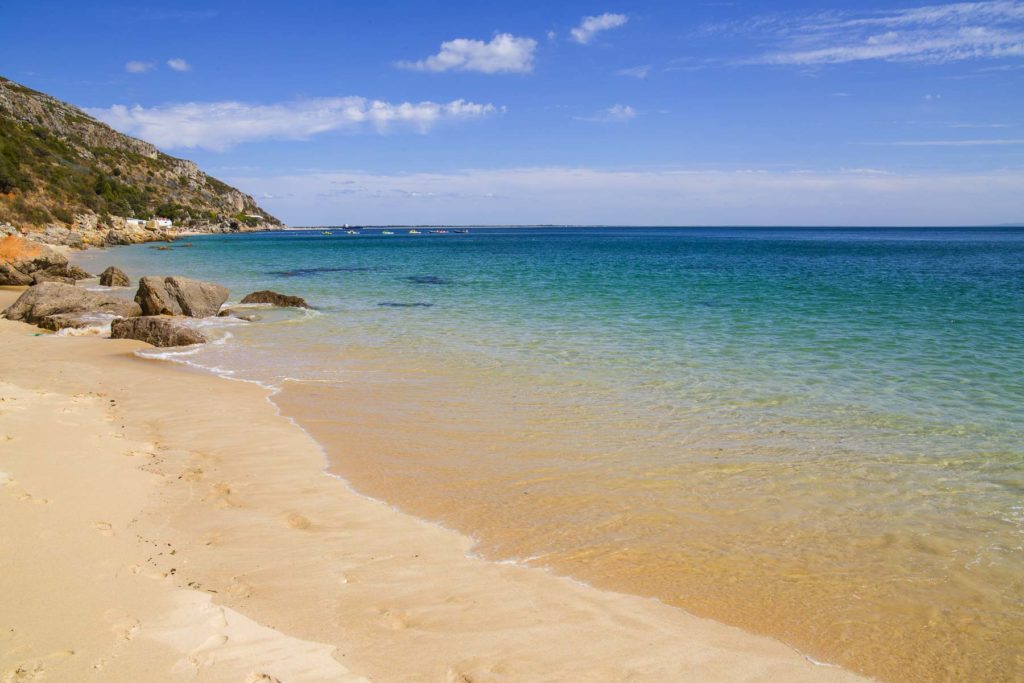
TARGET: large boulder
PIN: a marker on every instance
(114, 277)
(66, 273)
(51, 298)
(62, 321)
(20, 258)
(265, 296)
(157, 330)
(180, 296)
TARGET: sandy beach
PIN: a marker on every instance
(163, 524)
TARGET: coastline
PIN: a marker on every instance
(258, 528)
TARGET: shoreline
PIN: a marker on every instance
(256, 524)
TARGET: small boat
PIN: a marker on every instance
(326, 232)
(415, 232)
(461, 231)
(387, 232)
(351, 232)
(439, 232)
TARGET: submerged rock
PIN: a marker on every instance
(114, 277)
(265, 296)
(156, 330)
(232, 313)
(180, 296)
(20, 258)
(52, 298)
(428, 280)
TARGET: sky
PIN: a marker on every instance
(613, 113)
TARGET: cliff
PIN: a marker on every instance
(70, 179)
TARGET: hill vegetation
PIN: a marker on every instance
(61, 167)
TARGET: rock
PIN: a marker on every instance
(69, 271)
(156, 330)
(62, 321)
(232, 313)
(20, 258)
(52, 298)
(41, 276)
(265, 296)
(114, 277)
(180, 296)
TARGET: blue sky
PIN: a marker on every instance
(573, 112)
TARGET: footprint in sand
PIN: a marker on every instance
(257, 677)
(296, 521)
(239, 589)
(105, 528)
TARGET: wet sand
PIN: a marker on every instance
(163, 524)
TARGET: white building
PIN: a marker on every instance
(158, 223)
(135, 222)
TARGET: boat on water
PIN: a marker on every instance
(461, 231)
(326, 232)
(415, 232)
(440, 231)
(351, 232)
(387, 232)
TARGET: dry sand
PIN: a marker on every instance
(160, 524)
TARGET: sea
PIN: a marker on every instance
(815, 434)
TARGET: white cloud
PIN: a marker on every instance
(640, 72)
(505, 53)
(135, 67)
(617, 113)
(179, 64)
(938, 33)
(646, 197)
(591, 26)
(984, 142)
(221, 125)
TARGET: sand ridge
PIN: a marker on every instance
(172, 525)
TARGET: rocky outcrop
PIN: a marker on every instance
(156, 330)
(53, 298)
(20, 258)
(114, 277)
(180, 296)
(265, 296)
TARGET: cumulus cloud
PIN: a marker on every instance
(179, 64)
(937, 33)
(573, 195)
(220, 125)
(617, 113)
(591, 26)
(136, 67)
(505, 53)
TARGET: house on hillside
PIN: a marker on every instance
(134, 222)
(159, 223)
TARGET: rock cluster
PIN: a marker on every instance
(158, 314)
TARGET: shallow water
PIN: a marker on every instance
(814, 434)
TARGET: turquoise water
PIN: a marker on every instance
(814, 433)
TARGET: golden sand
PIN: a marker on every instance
(161, 524)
